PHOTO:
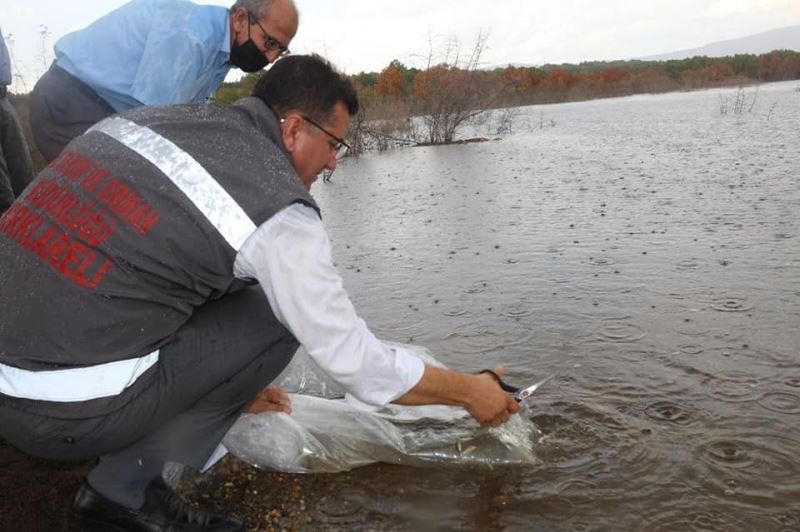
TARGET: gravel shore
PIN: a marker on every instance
(35, 495)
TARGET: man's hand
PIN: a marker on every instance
(480, 395)
(489, 404)
(270, 399)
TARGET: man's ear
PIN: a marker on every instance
(239, 21)
(290, 130)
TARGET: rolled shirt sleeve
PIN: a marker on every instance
(290, 256)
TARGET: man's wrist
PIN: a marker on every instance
(465, 395)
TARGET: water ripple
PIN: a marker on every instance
(731, 304)
(553, 507)
(763, 456)
(794, 382)
(687, 264)
(477, 287)
(684, 516)
(601, 261)
(577, 437)
(639, 356)
(789, 520)
(471, 339)
(619, 330)
(692, 330)
(783, 359)
(517, 311)
(455, 312)
(735, 387)
(669, 412)
(781, 402)
(691, 349)
(730, 453)
(574, 487)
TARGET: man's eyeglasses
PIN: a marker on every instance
(270, 43)
(340, 147)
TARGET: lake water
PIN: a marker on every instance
(646, 251)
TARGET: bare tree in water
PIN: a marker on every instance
(15, 73)
(450, 92)
(45, 51)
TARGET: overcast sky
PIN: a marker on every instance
(365, 35)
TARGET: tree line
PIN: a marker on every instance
(566, 82)
(449, 92)
(446, 94)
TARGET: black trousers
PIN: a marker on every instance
(214, 366)
(15, 159)
(62, 107)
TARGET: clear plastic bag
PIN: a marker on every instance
(325, 433)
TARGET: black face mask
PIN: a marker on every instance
(247, 56)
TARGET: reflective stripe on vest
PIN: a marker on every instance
(105, 380)
(199, 186)
(75, 384)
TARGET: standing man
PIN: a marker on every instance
(15, 159)
(153, 52)
(162, 271)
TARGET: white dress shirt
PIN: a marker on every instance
(290, 256)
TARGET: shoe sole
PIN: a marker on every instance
(79, 523)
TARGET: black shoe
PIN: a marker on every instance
(163, 511)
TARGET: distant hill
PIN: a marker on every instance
(787, 38)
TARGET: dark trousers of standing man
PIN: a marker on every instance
(15, 159)
(214, 366)
(63, 107)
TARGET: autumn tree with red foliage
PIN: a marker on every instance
(610, 76)
(392, 82)
(560, 79)
(519, 79)
(779, 65)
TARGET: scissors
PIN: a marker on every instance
(524, 393)
(520, 394)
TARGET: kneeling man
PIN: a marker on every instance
(162, 271)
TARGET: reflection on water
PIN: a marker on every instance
(644, 250)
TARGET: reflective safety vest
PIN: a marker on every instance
(111, 248)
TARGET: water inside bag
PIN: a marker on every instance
(325, 433)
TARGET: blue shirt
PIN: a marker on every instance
(151, 52)
(5, 63)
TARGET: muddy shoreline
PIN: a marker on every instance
(35, 495)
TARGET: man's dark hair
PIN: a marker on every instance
(306, 84)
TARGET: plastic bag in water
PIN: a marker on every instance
(324, 433)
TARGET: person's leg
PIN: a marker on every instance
(222, 339)
(190, 438)
(6, 192)
(217, 363)
(62, 108)
(6, 189)
(213, 367)
(15, 148)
